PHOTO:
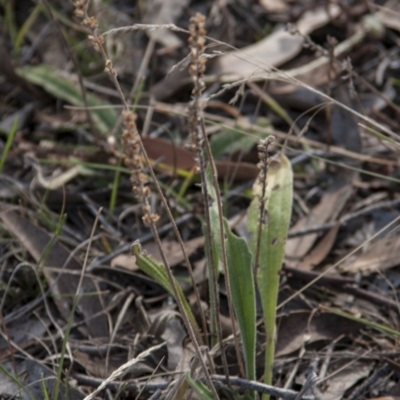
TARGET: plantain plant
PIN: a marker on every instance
(259, 259)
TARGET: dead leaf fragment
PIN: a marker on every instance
(299, 327)
(277, 48)
(383, 254)
(159, 12)
(172, 157)
(344, 379)
(326, 210)
(274, 5)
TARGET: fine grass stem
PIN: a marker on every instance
(7, 146)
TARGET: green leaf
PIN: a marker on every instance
(61, 87)
(229, 140)
(200, 388)
(274, 230)
(157, 271)
(243, 295)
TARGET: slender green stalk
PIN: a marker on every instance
(114, 191)
(8, 144)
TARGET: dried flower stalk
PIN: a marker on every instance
(199, 140)
(262, 165)
(135, 157)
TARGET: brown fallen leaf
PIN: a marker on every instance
(274, 5)
(164, 12)
(173, 157)
(274, 50)
(299, 327)
(168, 153)
(383, 254)
(320, 251)
(344, 378)
(385, 398)
(63, 285)
(326, 210)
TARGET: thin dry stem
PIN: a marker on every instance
(199, 139)
(136, 158)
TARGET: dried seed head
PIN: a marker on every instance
(109, 67)
(262, 165)
(90, 22)
(197, 68)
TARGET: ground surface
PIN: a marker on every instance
(322, 77)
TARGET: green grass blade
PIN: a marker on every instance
(26, 26)
(373, 325)
(8, 144)
(157, 271)
(278, 205)
(16, 380)
(201, 390)
(115, 185)
(61, 87)
(44, 389)
(243, 296)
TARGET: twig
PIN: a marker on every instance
(286, 394)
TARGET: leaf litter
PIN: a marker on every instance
(346, 176)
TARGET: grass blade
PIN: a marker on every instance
(8, 144)
(201, 390)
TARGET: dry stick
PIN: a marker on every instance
(76, 66)
(286, 394)
(98, 43)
